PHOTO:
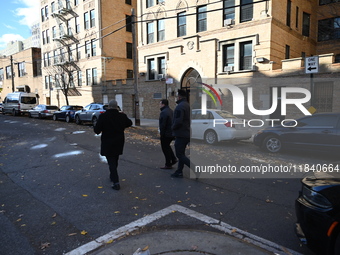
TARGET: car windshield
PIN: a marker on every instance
(226, 115)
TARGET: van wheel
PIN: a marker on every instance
(14, 112)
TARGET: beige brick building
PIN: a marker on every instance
(26, 74)
(86, 48)
(248, 43)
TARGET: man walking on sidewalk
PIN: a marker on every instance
(165, 122)
(181, 130)
(112, 124)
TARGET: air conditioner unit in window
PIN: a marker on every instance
(228, 68)
(161, 76)
(227, 22)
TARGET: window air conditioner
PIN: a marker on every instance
(228, 68)
(227, 22)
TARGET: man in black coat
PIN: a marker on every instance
(165, 122)
(181, 130)
(112, 124)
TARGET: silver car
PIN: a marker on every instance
(90, 113)
(42, 111)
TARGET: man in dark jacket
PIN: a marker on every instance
(181, 130)
(165, 122)
(112, 124)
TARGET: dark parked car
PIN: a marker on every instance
(43, 111)
(66, 112)
(90, 113)
(319, 132)
(318, 210)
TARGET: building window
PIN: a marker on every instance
(21, 69)
(150, 3)
(47, 82)
(322, 2)
(329, 29)
(79, 78)
(61, 30)
(76, 2)
(93, 47)
(160, 30)
(181, 24)
(246, 10)
(202, 18)
(44, 37)
(88, 77)
(77, 24)
(229, 9)
(92, 18)
(128, 19)
(150, 32)
(151, 69)
(246, 56)
(289, 12)
(287, 52)
(228, 57)
(129, 74)
(88, 49)
(1, 74)
(55, 57)
(306, 24)
(161, 66)
(8, 72)
(47, 36)
(52, 7)
(128, 2)
(69, 28)
(129, 50)
(54, 32)
(94, 76)
(42, 14)
(78, 49)
(337, 58)
(86, 20)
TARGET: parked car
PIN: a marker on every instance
(217, 125)
(66, 112)
(318, 210)
(18, 103)
(90, 113)
(319, 132)
(42, 111)
(1, 107)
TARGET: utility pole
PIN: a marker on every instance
(135, 67)
(12, 70)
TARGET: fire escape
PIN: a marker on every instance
(67, 58)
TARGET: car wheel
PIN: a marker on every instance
(55, 117)
(272, 144)
(68, 119)
(77, 119)
(94, 120)
(210, 137)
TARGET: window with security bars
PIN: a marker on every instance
(323, 96)
(246, 12)
(202, 18)
(246, 56)
(181, 24)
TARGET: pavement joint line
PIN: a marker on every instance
(224, 227)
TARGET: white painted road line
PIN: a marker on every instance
(224, 227)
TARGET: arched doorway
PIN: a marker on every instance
(190, 82)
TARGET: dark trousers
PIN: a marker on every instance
(180, 146)
(167, 150)
(113, 165)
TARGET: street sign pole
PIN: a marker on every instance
(312, 67)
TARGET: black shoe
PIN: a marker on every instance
(177, 175)
(116, 186)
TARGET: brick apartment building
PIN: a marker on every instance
(86, 51)
(257, 44)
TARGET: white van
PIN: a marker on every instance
(19, 102)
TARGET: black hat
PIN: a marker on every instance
(182, 93)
